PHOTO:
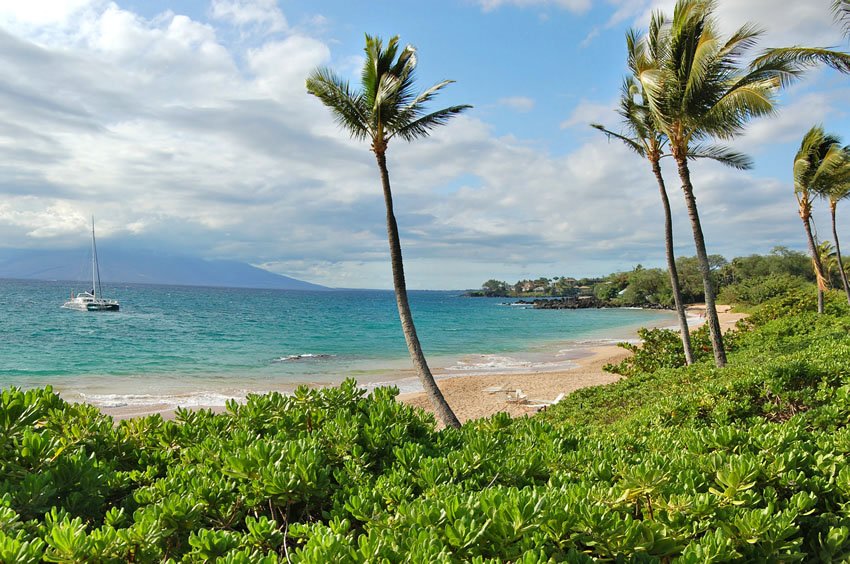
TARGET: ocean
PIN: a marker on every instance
(180, 345)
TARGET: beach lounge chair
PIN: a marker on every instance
(541, 403)
(518, 397)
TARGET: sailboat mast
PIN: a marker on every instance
(94, 278)
(95, 268)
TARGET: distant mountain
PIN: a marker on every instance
(143, 267)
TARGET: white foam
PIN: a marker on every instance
(194, 399)
(304, 356)
(600, 342)
(404, 385)
(496, 364)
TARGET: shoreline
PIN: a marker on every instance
(476, 395)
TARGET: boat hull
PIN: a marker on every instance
(102, 307)
(86, 302)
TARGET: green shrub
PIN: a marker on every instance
(757, 290)
(663, 348)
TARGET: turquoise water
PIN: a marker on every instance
(206, 344)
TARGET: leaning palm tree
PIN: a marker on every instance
(698, 88)
(817, 160)
(834, 189)
(643, 137)
(385, 107)
(828, 260)
(826, 255)
(647, 142)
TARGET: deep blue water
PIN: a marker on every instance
(221, 338)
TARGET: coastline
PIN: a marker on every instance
(483, 394)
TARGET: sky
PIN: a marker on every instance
(185, 128)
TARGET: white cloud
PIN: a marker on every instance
(243, 13)
(518, 103)
(34, 13)
(588, 111)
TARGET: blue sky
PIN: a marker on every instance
(184, 127)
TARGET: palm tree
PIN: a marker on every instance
(818, 159)
(387, 106)
(836, 188)
(697, 87)
(643, 138)
(828, 260)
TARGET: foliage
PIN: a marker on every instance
(781, 261)
(690, 278)
(757, 290)
(751, 280)
(694, 464)
(662, 348)
(494, 288)
(646, 286)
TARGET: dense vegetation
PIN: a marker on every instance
(697, 464)
(739, 277)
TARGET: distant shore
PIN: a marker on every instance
(475, 396)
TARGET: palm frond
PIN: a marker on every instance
(422, 126)
(797, 59)
(348, 108)
(413, 108)
(829, 169)
(728, 116)
(837, 186)
(737, 46)
(721, 154)
(818, 156)
(632, 144)
(656, 39)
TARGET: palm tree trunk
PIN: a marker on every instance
(702, 257)
(671, 265)
(838, 252)
(813, 250)
(441, 407)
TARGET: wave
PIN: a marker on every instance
(489, 364)
(600, 342)
(304, 356)
(194, 399)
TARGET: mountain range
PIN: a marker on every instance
(144, 267)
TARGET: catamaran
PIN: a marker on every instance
(92, 300)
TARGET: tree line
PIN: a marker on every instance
(764, 276)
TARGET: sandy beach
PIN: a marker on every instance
(473, 397)
(476, 396)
